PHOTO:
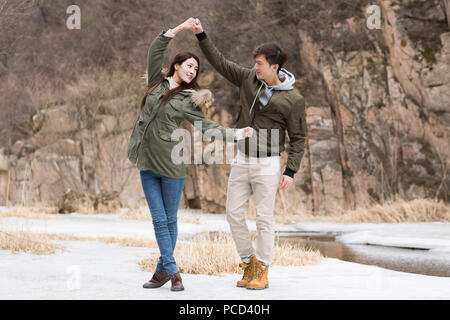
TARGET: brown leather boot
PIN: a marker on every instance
(158, 280)
(249, 270)
(177, 284)
(260, 280)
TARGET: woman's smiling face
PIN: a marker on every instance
(187, 70)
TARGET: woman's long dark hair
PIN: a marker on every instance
(178, 59)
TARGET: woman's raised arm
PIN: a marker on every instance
(158, 46)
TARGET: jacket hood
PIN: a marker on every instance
(288, 82)
(202, 98)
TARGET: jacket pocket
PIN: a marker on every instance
(165, 131)
(135, 139)
(269, 166)
(132, 152)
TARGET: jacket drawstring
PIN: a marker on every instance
(254, 100)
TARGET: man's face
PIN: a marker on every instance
(264, 71)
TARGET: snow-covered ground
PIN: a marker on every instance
(94, 270)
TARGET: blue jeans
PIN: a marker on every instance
(163, 196)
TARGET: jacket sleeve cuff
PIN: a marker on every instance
(289, 172)
(201, 36)
(169, 34)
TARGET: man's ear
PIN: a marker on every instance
(275, 67)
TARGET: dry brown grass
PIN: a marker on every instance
(203, 254)
(139, 213)
(418, 210)
(185, 218)
(89, 204)
(126, 242)
(143, 213)
(130, 242)
(20, 241)
(42, 212)
(39, 243)
(213, 255)
(287, 254)
(35, 212)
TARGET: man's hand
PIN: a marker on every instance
(285, 182)
(197, 27)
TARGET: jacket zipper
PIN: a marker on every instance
(253, 104)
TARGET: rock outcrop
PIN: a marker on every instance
(378, 117)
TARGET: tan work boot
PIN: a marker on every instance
(249, 270)
(260, 280)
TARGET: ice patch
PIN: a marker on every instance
(360, 237)
(369, 237)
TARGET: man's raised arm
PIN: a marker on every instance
(230, 70)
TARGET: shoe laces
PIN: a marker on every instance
(247, 269)
(259, 271)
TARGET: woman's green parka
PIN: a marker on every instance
(151, 144)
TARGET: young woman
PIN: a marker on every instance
(171, 97)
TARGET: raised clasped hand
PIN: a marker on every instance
(197, 26)
(188, 24)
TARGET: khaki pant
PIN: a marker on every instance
(260, 177)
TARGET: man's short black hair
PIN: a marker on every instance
(272, 52)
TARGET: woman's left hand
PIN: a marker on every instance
(248, 132)
(243, 133)
(189, 24)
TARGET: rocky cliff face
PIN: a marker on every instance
(378, 116)
(382, 129)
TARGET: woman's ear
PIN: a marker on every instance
(176, 66)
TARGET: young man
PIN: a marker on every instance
(271, 106)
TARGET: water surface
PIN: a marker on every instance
(400, 259)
